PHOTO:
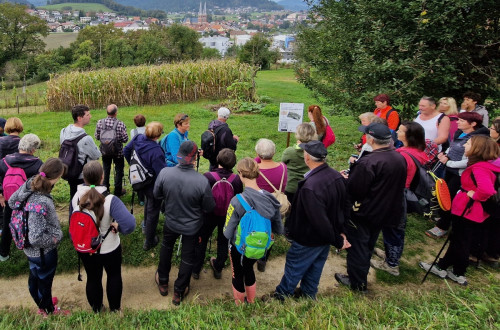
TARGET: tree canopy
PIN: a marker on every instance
(256, 52)
(353, 50)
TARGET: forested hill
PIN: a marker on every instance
(119, 8)
(22, 2)
(194, 5)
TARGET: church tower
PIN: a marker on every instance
(202, 14)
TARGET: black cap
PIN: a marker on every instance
(378, 131)
(187, 152)
(315, 148)
(2, 122)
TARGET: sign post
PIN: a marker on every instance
(290, 117)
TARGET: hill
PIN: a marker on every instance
(21, 2)
(194, 5)
(84, 7)
(293, 4)
(120, 9)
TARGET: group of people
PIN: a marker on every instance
(301, 197)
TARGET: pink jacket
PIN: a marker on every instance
(485, 179)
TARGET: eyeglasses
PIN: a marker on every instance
(184, 117)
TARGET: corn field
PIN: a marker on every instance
(147, 85)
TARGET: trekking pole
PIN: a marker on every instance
(132, 202)
(179, 246)
(437, 257)
(198, 161)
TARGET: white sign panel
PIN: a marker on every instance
(290, 116)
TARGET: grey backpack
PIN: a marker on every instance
(109, 144)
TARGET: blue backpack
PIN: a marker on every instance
(253, 235)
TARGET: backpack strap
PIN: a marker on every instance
(272, 186)
(8, 166)
(417, 163)
(231, 178)
(244, 203)
(215, 176)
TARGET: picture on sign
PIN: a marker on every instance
(290, 116)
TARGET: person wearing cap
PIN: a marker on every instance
(224, 137)
(376, 192)
(315, 223)
(2, 126)
(188, 197)
(172, 141)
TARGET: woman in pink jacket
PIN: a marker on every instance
(469, 213)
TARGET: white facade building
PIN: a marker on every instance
(219, 43)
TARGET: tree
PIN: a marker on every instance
(20, 33)
(209, 53)
(118, 53)
(183, 43)
(98, 35)
(256, 52)
(407, 49)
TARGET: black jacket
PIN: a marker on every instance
(223, 139)
(376, 187)
(30, 164)
(8, 145)
(318, 209)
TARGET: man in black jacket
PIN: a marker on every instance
(224, 137)
(316, 222)
(376, 190)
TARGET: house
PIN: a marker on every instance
(85, 19)
(218, 42)
(240, 40)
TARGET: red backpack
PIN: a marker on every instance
(223, 192)
(84, 232)
(13, 179)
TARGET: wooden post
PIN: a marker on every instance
(17, 102)
(288, 140)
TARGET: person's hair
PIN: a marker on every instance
(317, 118)
(139, 120)
(78, 111)
(415, 135)
(112, 109)
(92, 199)
(53, 168)
(496, 124)
(380, 142)
(316, 159)
(453, 110)
(367, 115)
(248, 168)
(382, 98)
(472, 117)
(154, 130)
(227, 158)
(29, 143)
(483, 148)
(429, 99)
(13, 124)
(378, 120)
(473, 96)
(265, 149)
(305, 133)
(180, 118)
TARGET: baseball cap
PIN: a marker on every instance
(378, 131)
(315, 148)
(187, 152)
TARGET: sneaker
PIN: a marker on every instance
(2, 258)
(261, 266)
(436, 232)
(55, 301)
(141, 203)
(383, 265)
(148, 246)
(178, 296)
(217, 274)
(379, 253)
(434, 270)
(456, 278)
(343, 279)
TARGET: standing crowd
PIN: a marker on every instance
(301, 197)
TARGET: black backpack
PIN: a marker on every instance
(418, 200)
(69, 156)
(208, 141)
(109, 144)
(387, 117)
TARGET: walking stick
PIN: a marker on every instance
(437, 257)
(179, 246)
(132, 201)
(198, 160)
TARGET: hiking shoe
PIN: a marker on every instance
(383, 265)
(178, 296)
(147, 246)
(2, 258)
(343, 279)
(379, 253)
(217, 274)
(434, 270)
(436, 232)
(163, 288)
(460, 279)
(196, 276)
(261, 266)
(141, 203)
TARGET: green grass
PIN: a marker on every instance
(35, 95)
(56, 40)
(85, 7)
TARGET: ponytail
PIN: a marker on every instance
(52, 169)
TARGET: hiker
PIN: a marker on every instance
(321, 125)
(2, 126)
(9, 143)
(315, 223)
(112, 133)
(455, 161)
(293, 158)
(468, 211)
(272, 177)
(225, 185)
(436, 125)
(108, 210)
(140, 123)
(470, 104)
(44, 233)
(30, 164)
(224, 137)
(366, 119)
(173, 140)
(448, 106)
(376, 191)
(385, 111)
(266, 206)
(188, 197)
(413, 137)
(152, 157)
(87, 149)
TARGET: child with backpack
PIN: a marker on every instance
(43, 233)
(261, 207)
(225, 185)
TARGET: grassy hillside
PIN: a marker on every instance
(55, 40)
(85, 7)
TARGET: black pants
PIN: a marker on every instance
(362, 237)
(73, 184)
(492, 241)
(243, 273)
(94, 265)
(119, 165)
(187, 259)
(6, 234)
(204, 235)
(464, 232)
(453, 182)
(151, 213)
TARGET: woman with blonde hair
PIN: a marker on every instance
(448, 107)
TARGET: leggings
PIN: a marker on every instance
(243, 274)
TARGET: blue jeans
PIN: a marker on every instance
(42, 271)
(394, 240)
(304, 264)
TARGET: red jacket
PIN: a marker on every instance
(411, 168)
(392, 121)
(484, 175)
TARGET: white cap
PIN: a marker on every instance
(223, 113)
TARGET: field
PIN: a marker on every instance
(84, 7)
(392, 303)
(56, 40)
